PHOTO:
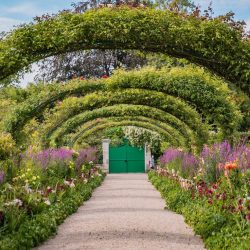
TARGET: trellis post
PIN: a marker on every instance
(105, 153)
(147, 157)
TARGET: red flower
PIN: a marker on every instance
(240, 201)
(209, 192)
(1, 217)
(210, 201)
(105, 76)
(248, 217)
(224, 196)
(240, 208)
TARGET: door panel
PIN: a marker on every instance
(126, 159)
(117, 166)
(135, 166)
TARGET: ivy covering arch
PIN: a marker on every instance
(210, 43)
(135, 112)
(186, 105)
(190, 102)
(164, 134)
(190, 97)
(168, 132)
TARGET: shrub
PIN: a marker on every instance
(7, 146)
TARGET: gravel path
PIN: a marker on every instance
(126, 212)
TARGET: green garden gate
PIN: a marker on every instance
(126, 159)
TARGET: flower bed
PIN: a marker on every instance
(37, 194)
(213, 196)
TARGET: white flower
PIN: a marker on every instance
(15, 202)
(18, 202)
(72, 184)
(91, 162)
(27, 188)
(66, 182)
(85, 180)
(47, 202)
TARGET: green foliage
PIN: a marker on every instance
(186, 94)
(134, 111)
(209, 95)
(176, 107)
(7, 146)
(116, 134)
(210, 43)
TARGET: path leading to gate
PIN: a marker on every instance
(126, 212)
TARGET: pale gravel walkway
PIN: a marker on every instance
(126, 212)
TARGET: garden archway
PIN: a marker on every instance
(210, 43)
(201, 99)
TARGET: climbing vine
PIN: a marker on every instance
(186, 93)
(210, 43)
(133, 111)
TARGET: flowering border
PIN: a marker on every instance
(36, 230)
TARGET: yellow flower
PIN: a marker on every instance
(34, 178)
(26, 181)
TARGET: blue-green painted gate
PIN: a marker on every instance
(126, 159)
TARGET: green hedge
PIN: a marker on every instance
(218, 229)
(210, 43)
(36, 230)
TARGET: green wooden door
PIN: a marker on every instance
(126, 159)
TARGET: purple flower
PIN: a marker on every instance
(189, 164)
(46, 157)
(224, 152)
(85, 156)
(170, 155)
